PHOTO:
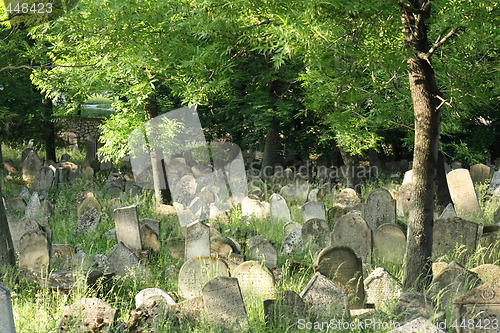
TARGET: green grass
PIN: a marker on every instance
(39, 310)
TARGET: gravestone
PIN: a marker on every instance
(480, 173)
(313, 210)
(290, 226)
(150, 238)
(389, 244)
(19, 228)
(127, 227)
(379, 208)
(482, 304)
(408, 178)
(448, 212)
(88, 221)
(16, 204)
(44, 179)
(144, 294)
(256, 282)
(488, 273)
(279, 209)
(342, 266)
(316, 234)
(290, 307)
(352, 231)
(34, 251)
(25, 193)
(196, 272)
(403, 202)
(348, 197)
(381, 288)
(413, 304)
(313, 195)
(463, 194)
(91, 149)
(437, 267)
(115, 184)
(33, 206)
(31, 164)
(224, 303)
(123, 261)
(197, 241)
(292, 241)
(325, 298)
(255, 208)
(454, 232)
(87, 204)
(495, 182)
(6, 314)
(186, 189)
(88, 315)
(261, 249)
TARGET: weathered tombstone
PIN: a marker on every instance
(87, 204)
(480, 173)
(348, 197)
(144, 294)
(88, 221)
(88, 315)
(256, 282)
(196, 272)
(488, 273)
(325, 298)
(150, 238)
(279, 209)
(379, 208)
(65, 157)
(127, 227)
(33, 205)
(19, 228)
(290, 226)
(261, 249)
(91, 149)
(403, 202)
(454, 232)
(495, 183)
(186, 189)
(25, 193)
(256, 208)
(115, 184)
(123, 261)
(289, 307)
(482, 305)
(463, 194)
(292, 241)
(44, 179)
(316, 234)
(413, 304)
(313, 210)
(352, 231)
(381, 288)
(197, 241)
(408, 178)
(437, 267)
(313, 195)
(6, 314)
(34, 251)
(453, 281)
(224, 303)
(389, 244)
(342, 266)
(31, 165)
(448, 211)
(419, 324)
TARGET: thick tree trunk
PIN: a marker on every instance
(352, 164)
(424, 92)
(49, 132)
(7, 256)
(443, 197)
(271, 149)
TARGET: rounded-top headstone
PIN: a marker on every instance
(256, 281)
(348, 197)
(352, 231)
(196, 272)
(147, 293)
(260, 249)
(380, 208)
(463, 194)
(279, 209)
(389, 244)
(88, 315)
(316, 234)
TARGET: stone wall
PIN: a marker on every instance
(77, 129)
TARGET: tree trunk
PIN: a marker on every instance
(443, 197)
(424, 92)
(7, 256)
(352, 164)
(49, 132)
(271, 149)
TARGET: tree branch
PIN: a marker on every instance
(43, 66)
(439, 42)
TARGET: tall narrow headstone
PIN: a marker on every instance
(128, 230)
(379, 208)
(6, 314)
(279, 209)
(463, 194)
(352, 231)
(313, 210)
(197, 241)
(224, 303)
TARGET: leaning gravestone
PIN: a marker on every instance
(127, 226)
(454, 232)
(488, 273)
(352, 231)
(389, 244)
(123, 261)
(261, 249)
(224, 303)
(254, 207)
(325, 298)
(292, 241)
(448, 211)
(44, 179)
(279, 209)
(6, 314)
(33, 206)
(290, 307)
(34, 251)
(196, 272)
(313, 210)
(480, 173)
(381, 288)
(19, 228)
(482, 304)
(88, 221)
(88, 315)
(197, 241)
(316, 234)
(256, 282)
(463, 194)
(379, 208)
(147, 293)
(31, 165)
(342, 266)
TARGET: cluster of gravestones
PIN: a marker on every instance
(218, 283)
